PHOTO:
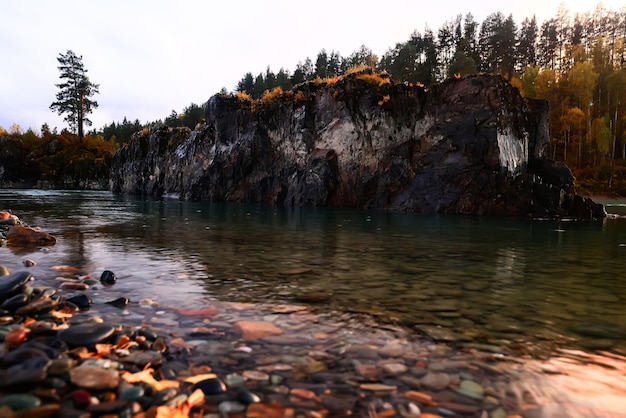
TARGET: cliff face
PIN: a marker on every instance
(471, 145)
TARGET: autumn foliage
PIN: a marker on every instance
(60, 159)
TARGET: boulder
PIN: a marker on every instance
(23, 236)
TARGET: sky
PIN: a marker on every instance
(150, 57)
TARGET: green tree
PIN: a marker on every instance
(321, 64)
(527, 40)
(461, 65)
(73, 98)
(246, 83)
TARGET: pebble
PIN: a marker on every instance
(20, 401)
(108, 277)
(211, 386)
(394, 369)
(435, 381)
(94, 377)
(471, 389)
(86, 334)
(29, 263)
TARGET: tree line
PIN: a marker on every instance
(576, 62)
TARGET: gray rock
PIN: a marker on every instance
(435, 381)
(472, 145)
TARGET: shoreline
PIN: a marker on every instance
(248, 360)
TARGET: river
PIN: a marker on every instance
(540, 288)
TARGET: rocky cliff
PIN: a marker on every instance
(467, 146)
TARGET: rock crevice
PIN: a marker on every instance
(467, 146)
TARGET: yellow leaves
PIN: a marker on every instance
(270, 95)
(200, 378)
(243, 96)
(180, 411)
(374, 79)
(145, 376)
(299, 97)
(357, 69)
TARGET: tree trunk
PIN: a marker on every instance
(80, 118)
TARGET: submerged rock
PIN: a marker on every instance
(23, 235)
(471, 146)
(599, 329)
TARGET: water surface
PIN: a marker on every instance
(536, 288)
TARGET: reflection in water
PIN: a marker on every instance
(513, 285)
(509, 266)
(576, 384)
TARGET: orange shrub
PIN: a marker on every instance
(270, 95)
(299, 97)
(385, 99)
(242, 95)
(374, 79)
(332, 80)
(357, 69)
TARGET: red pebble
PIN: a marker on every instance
(81, 398)
(200, 312)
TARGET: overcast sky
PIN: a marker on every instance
(154, 56)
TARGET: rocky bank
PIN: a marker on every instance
(467, 146)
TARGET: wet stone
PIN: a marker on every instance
(86, 334)
(32, 370)
(110, 407)
(108, 277)
(435, 381)
(119, 302)
(234, 380)
(11, 284)
(94, 377)
(22, 354)
(394, 369)
(391, 350)
(254, 330)
(142, 358)
(163, 396)
(418, 371)
(411, 381)
(59, 366)
(83, 301)
(131, 393)
(80, 398)
(15, 302)
(38, 305)
(231, 407)
(599, 329)
(247, 397)
(20, 401)
(337, 405)
(29, 263)
(211, 386)
(471, 389)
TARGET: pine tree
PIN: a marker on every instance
(73, 98)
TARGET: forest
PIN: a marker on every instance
(577, 62)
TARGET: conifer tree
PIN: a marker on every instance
(73, 98)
